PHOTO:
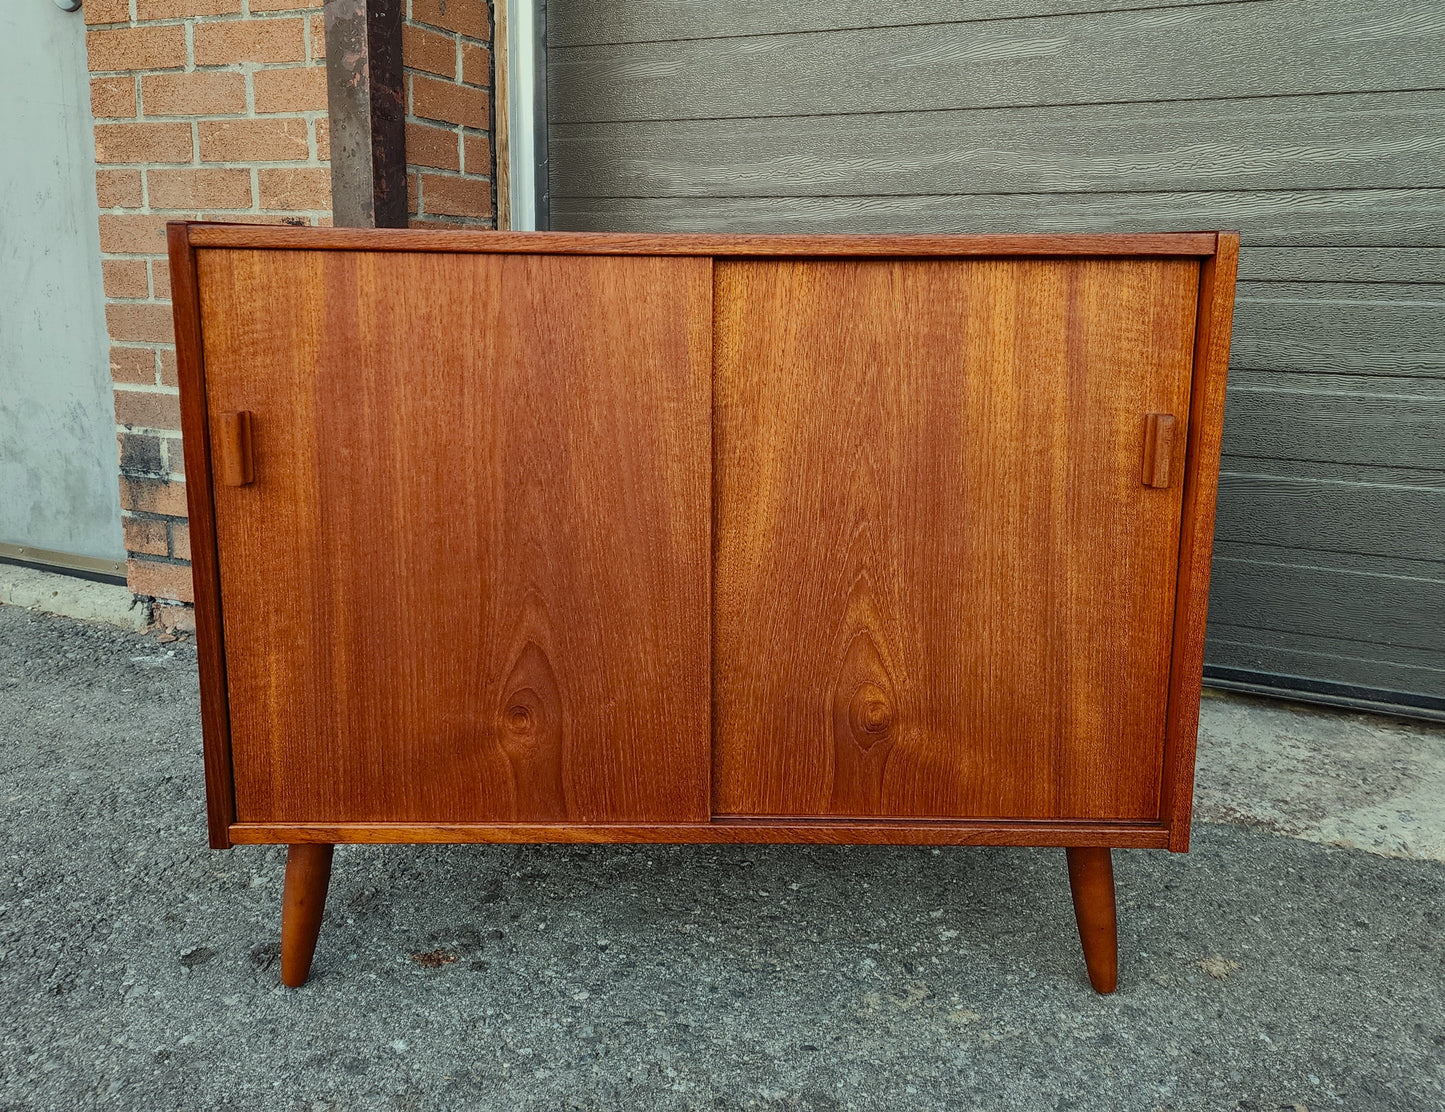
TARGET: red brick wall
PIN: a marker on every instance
(446, 50)
(216, 109)
(211, 109)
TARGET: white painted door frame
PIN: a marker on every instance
(521, 113)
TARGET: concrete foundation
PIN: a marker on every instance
(71, 597)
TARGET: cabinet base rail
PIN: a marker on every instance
(1057, 833)
(1091, 880)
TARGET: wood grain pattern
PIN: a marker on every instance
(303, 902)
(1202, 435)
(1205, 51)
(279, 237)
(352, 440)
(717, 832)
(940, 589)
(235, 449)
(1091, 882)
(471, 582)
(205, 567)
(589, 22)
(1346, 141)
(1158, 448)
(1353, 421)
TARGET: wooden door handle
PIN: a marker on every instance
(1158, 448)
(237, 466)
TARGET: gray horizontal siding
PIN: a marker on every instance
(1382, 330)
(1304, 658)
(593, 22)
(1316, 130)
(1378, 141)
(1308, 598)
(1308, 218)
(1342, 264)
(1371, 518)
(1348, 421)
(1217, 50)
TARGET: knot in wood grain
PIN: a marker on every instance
(520, 717)
(870, 713)
(529, 714)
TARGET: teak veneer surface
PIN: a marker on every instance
(1196, 540)
(721, 831)
(674, 243)
(458, 501)
(941, 588)
(740, 539)
(470, 580)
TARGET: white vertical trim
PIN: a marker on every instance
(522, 77)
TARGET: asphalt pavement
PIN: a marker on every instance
(138, 969)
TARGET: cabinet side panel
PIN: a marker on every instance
(941, 587)
(1196, 545)
(470, 580)
(190, 367)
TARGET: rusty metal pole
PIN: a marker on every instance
(366, 98)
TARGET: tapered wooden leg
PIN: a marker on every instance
(308, 872)
(1091, 879)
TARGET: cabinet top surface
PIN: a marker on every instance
(273, 237)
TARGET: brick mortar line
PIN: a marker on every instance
(219, 67)
(449, 125)
(454, 81)
(242, 68)
(439, 29)
(311, 162)
(221, 117)
(135, 23)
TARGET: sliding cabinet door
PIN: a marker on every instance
(469, 581)
(942, 587)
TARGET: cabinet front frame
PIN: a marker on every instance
(1218, 257)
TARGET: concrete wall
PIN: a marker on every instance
(57, 432)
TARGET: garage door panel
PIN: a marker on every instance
(1312, 129)
(1331, 419)
(1325, 328)
(632, 21)
(1304, 597)
(1207, 51)
(1375, 519)
(1244, 651)
(1304, 218)
(1379, 141)
(1339, 264)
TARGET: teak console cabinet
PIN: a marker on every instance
(546, 537)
